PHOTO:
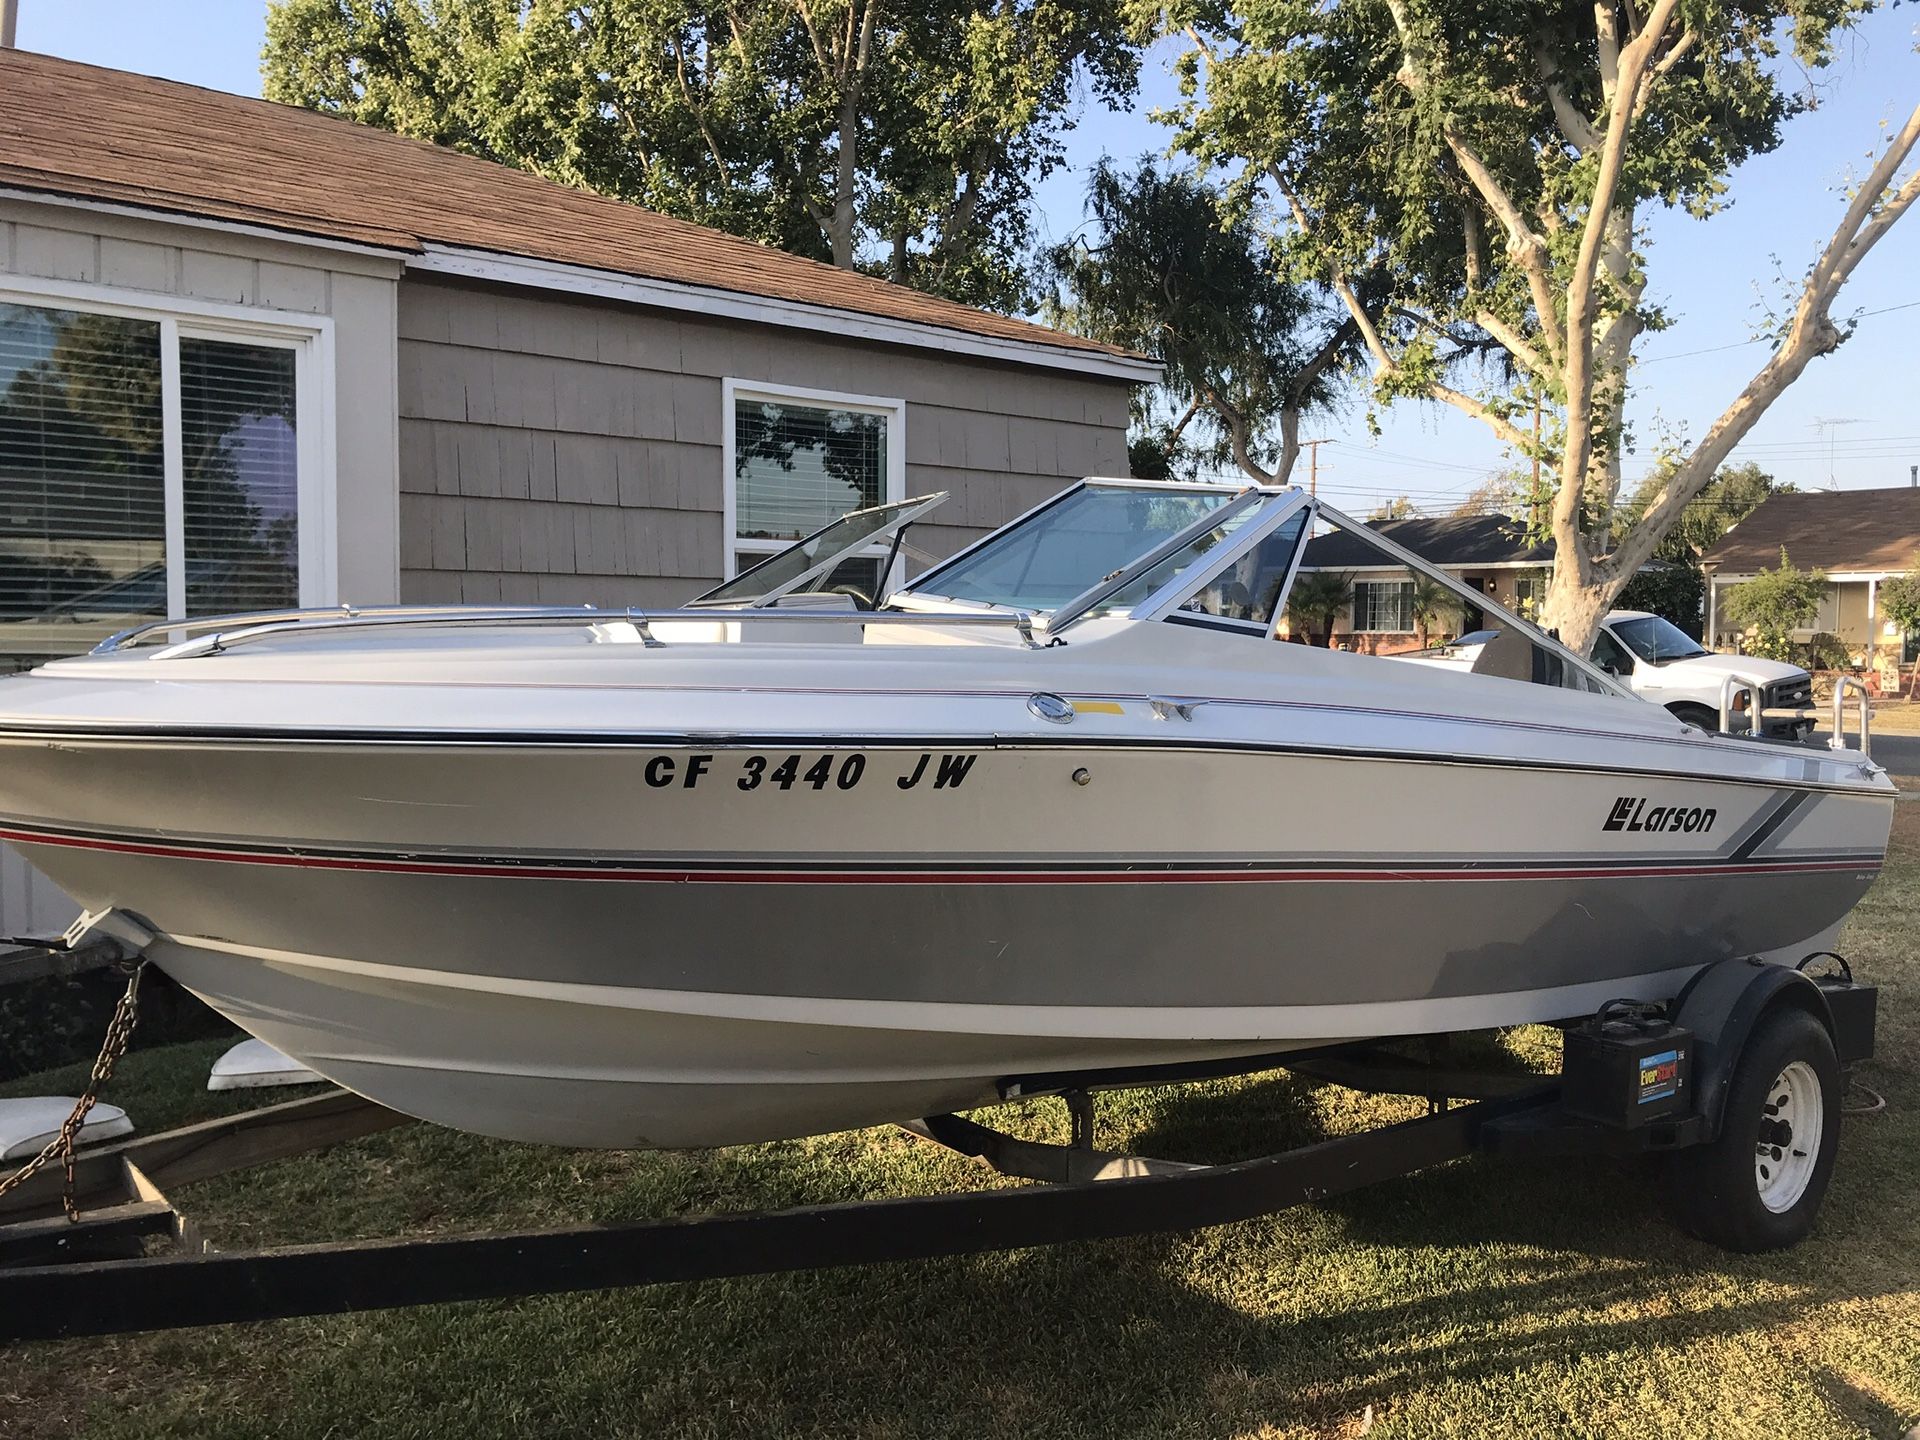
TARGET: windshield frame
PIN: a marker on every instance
(909, 511)
(924, 591)
(1070, 611)
(1617, 629)
(1165, 603)
(1486, 604)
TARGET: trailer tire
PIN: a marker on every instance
(1760, 1184)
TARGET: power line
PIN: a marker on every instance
(1763, 339)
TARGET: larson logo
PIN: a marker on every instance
(1630, 812)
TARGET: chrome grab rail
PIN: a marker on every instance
(1756, 703)
(231, 630)
(1863, 713)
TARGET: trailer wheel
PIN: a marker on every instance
(1759, 1186)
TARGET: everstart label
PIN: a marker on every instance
(1659, 1076)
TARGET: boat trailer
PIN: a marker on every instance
(1636, 1079)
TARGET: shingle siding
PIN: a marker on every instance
(572, 452)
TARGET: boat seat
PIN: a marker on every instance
(1514, 655)
(1508, 656)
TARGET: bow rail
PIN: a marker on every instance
(220, 633)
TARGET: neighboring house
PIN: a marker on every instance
(253, 356)
(1859, 537)
(1488, 553)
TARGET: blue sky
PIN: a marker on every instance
(1712, 276)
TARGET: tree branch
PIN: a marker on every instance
(1812, 333)
(1515, 344)
(1580, 288)
(1524, 243)
(1336, 276)
(1235, 424)
(1501, 426)
(1574, 125)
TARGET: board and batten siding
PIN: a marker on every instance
(557, 452)
(149, 262)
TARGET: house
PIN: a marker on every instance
(1487, 553)
(1858, 537)
(253, 356)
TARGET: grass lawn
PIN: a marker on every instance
(1896, 717)
(1482, 1299)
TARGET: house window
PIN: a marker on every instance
(149, 466)
(1383, 607)
(797, 460)
(1529, 593)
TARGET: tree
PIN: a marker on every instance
(1502, 493)
(1398, 508)
(1432, 604)
(1168, 272)
(1734, 493)
(904, 140)
(1316, 600)
(1669, 589)
(1775, 603)
(1496, 163)
(1900, 603)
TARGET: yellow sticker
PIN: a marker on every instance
(1099, 707)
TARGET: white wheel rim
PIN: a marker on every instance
(1791, 1121)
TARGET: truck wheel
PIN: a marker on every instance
(1700, 715)
(1759, 1186)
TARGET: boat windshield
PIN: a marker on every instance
(1657, 640)
(786, 571)
(1060, 552)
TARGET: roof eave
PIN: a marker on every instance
(530, 273)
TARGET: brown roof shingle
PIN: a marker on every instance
(1824, 530)
(79, 130)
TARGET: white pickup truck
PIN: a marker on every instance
(1660, 662)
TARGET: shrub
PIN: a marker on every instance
(1827, 651)
(1775, 603)
(1317, 599)
(61, 1019)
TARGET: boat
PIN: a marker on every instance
(1062, 810)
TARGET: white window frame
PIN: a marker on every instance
(733, 390)
(1358, 629)
(311, 339)
(1537, 582)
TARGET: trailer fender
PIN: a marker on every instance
(1720, 1006)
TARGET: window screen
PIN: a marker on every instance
(798, 467)
(242, 479)
(1383, 607)
(82, 503)
(83, 487)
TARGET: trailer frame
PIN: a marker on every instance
(92, 1275)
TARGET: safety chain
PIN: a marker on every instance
(119, 1033)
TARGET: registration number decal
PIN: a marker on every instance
(930, 770)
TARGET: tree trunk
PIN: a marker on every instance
(1576, 603)
(1289, 446)
(840, 226)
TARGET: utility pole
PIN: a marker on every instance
(9, 23)
(1312, 447)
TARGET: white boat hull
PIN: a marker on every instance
(562, 939)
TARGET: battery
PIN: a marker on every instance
(1627, 1066)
